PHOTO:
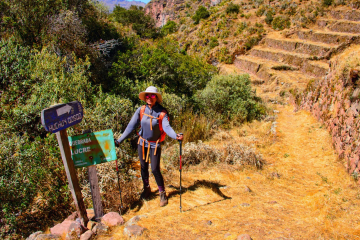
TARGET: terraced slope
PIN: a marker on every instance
(290, 59)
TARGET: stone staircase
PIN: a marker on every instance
(290, 59)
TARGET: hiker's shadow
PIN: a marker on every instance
(137, 205)
(214, 186)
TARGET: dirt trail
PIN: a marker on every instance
(313, 198)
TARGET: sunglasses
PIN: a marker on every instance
(150, 95)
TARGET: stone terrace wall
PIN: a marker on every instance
(335, 101)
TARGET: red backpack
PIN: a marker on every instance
(162, 114)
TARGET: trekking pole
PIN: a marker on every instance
(117, 171)
(180, 165)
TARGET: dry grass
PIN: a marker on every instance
(314, 198)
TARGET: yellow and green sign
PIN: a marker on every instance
(92, 148)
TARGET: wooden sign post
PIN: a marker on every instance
(71, 175)
(56, 119)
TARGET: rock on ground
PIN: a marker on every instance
(134, 231)
(134, 220)
(48, 237)
(100, 228)
(34, 235)
(112, 219)
(88, 235)
(244, 237)
(61, 228)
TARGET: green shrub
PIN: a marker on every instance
(260, 11)
(141, 23)
(201, 13)
(162, 64)
(327, 3)
(232, 8)
(280, 23)
(230, 97)
(269, 17)
(251, 41)
(213, 42)
(168, 28)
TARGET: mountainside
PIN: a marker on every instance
(122, 3)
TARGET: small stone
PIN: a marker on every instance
(134, 231)
(248, 177)
(276, 111)
(244, 237)
(273, 202)
(245, 205)
(134, 220)
(88, 235)
(207, 222)
(112, 219)
(34, 235)
(91, 224)
(247, 189)
(275, 175)
(48, 237)
(100, 228)
(227, 235)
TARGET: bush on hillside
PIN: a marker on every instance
(280, 23)
(230, 98)
(141, 23)
(232, 8)
(161, 64)
(269, 17)
(168, 28)
(327, 3)
(213, 42)
(201, 13)
(33, 184)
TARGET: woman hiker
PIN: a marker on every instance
(154, 123)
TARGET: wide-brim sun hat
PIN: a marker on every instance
(153, 90)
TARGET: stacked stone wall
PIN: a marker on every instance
(335, 101)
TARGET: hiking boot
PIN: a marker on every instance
(163, 199)
(146, 193)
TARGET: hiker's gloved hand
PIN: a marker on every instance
(116, 143)
(179, 137)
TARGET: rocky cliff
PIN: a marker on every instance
(165, 10)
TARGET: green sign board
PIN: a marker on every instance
(92, 148)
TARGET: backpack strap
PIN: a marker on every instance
(142, 110)
(162, 115)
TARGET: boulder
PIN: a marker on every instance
(34, 235)
(72, 217)
(244, 237)
(100, 228)
(88, 235)
(61, 228)
(48, 237)
(134, 231)
(112, 219)
(75, 229)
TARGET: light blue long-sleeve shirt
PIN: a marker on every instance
(145, 131)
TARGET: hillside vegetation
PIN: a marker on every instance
(282, 52)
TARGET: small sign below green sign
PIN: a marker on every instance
(92, 148)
